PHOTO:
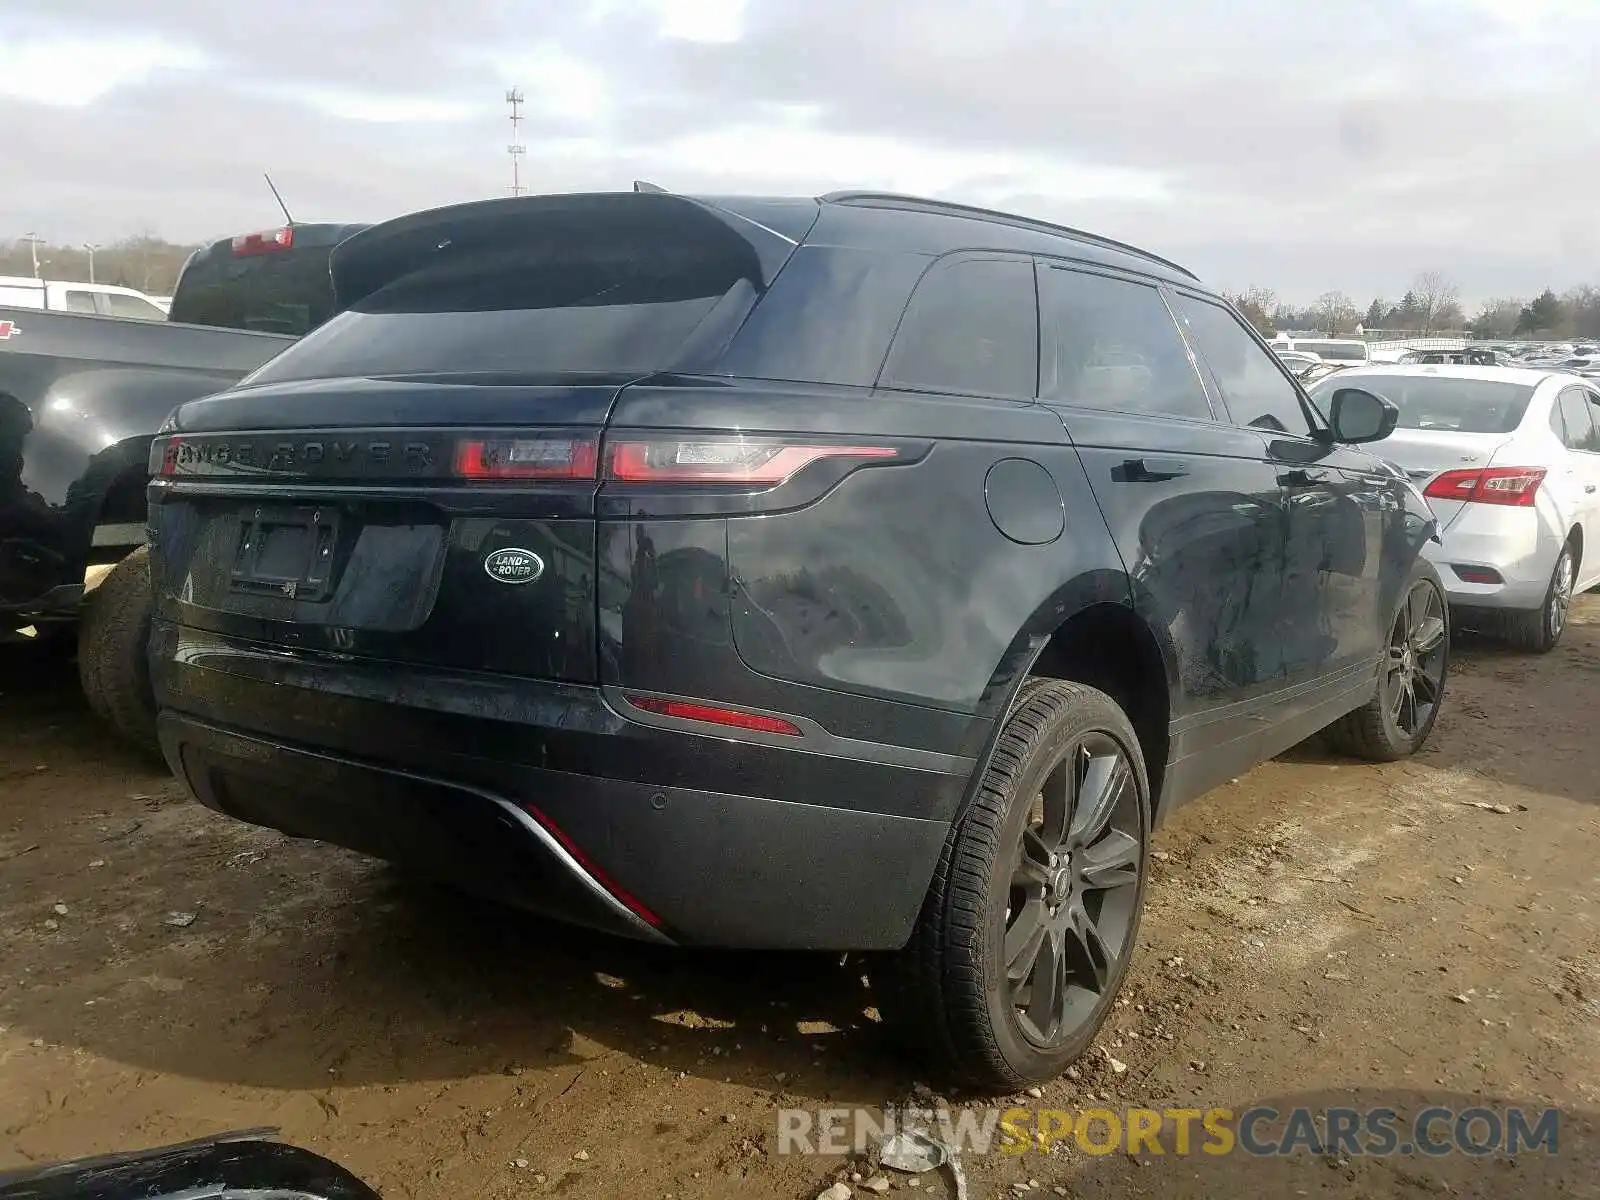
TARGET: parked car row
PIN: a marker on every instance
(649, 560)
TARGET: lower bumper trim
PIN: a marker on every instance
(464, 835)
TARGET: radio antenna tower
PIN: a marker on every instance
(516, 149)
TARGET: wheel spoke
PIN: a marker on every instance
(1033, 862)
(1407, 708)
(1424, 688)
(1417, 607)
(1112, 862)
(1059, 793)
(1429, 635)
(1087, 957)
(1047, 988)
(1025, 939)
(1104, 780)
(1398, 711)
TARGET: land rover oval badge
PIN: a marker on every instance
(512, 564)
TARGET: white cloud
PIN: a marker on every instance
(701, 20)
(712, 21)
(806, 158)
(75, 72)
(372, 107)
(1529, 15)
(557, 83)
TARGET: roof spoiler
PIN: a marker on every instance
(379, 255)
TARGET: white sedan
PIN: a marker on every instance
(1509, 460)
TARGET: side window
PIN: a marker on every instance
(1112, 344)
(1557, 425)
(828, 318)
(1577, 418)
(972, 328)
(131, 306)
(1256, 391)
(1594, 416)
(80, 301)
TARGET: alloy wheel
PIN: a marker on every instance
(1560, 596)
(1074, 890)
(1414, 672)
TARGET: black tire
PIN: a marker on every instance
(947, 992)
(113, 640)
(1416, 664)
(1538, 630)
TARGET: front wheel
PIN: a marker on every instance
(1398, 719)
(1026, 932)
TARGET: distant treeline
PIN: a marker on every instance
(1431, 305)
(143, 261)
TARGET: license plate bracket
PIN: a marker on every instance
(286, 551)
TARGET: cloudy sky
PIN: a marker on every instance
(1347, 147)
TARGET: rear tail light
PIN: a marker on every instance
(1514, 487)
(723, 460)
(527, 458)
(264, 243)
(734, 718)
(163, 456)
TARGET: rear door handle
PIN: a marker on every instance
(1148, 470)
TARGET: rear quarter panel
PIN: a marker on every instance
(891, 607)
(80, 399)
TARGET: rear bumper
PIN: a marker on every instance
(543, 796)
(1517, 544)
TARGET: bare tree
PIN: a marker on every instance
(1336, 313)
(1498, 319)
(1438, 299)
(1583, 311)
(1257, 306)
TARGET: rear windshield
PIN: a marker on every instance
(1335, 351)
(1434, 402)
(539, 307)
(281, 291)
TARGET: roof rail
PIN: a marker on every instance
(991, 214)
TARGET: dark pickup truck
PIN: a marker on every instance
(81, 396)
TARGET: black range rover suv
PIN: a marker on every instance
(866, 573)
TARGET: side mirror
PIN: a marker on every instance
(1357, 416)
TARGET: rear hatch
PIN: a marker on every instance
(416, 480)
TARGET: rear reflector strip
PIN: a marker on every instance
(727, 460)
(733, 718)
(622, 895)
(1476, 574)
(527, 458)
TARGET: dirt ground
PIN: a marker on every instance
(1319, 932)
